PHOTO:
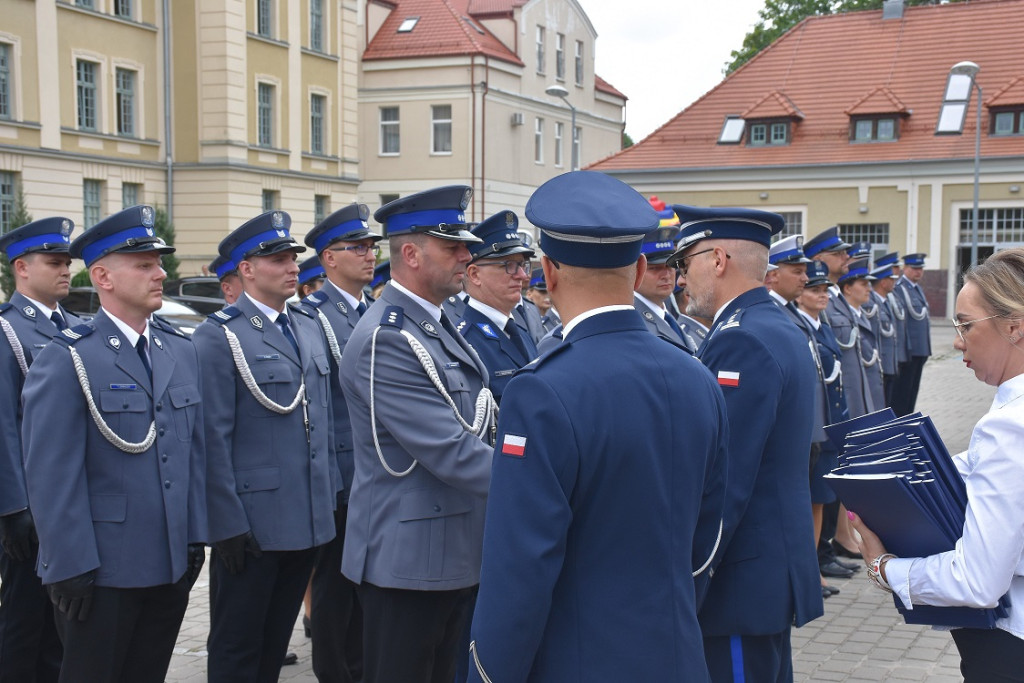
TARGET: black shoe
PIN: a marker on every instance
(825, 593)
(833, 570)
(831, 590)
(307, 626)
(846, 564)
(290, 658)
(841, 551)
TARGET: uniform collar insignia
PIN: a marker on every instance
(648, 315)
(30, 311)
(114, 341)
(342, 307)
(257, 322)
(156, 340)
(429, 328)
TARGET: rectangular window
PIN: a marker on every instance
(317, 105)
(540, 49)
(92, 204)
(264, 20)
(794, 224)
(768, 133)
(123, 8)
(321, 207)
(758, 134)
(559, 127)
(130, 193)
(577, 147)
(86, 82)
(265, 115)
(5, 82)
(1008, 122)
(390, 133)
(88, 4)
(7, 200)
(316, 25)
(538, 141)
(441, 129)
(873, 129)
(875, 233)
(125, 82)
(779, 131)
(269, 200)
(579, 62)
(560, 56)
(862, 130)
(997, 227)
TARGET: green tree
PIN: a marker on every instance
(626, 140)
(81, 279)
(778, 16)
(21, 217)
(164, 229)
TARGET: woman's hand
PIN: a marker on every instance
(870, 546)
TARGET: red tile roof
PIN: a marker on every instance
(604, 86)
(830, 66)
(442, 30)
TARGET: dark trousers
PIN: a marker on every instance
(412, 636)
(128, 636)
(989, 655)
(889, 387)
(252, 615)
(337, 619)
(904, 397)
(749, 659)
(829, 522)
(30, 651)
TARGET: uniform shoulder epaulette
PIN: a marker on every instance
(316, 299)
(73, 335)
(223, 315)
(4, 307)
(393, 316)
(733, 320)
(298, 308)
(544, 358)
(164, 326)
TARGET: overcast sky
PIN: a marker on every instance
(664, 54)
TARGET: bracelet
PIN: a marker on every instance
(875, 571)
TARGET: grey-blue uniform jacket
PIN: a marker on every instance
(862, 383)
(918, 325)
(422, 531)
(131, 516)
(657, 325)
(265, 476)
(342, 319)
(898, 308)
(34, 332)
(877, 309)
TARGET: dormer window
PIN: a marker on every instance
(1008, 121)
(763, 133)
(874, 128)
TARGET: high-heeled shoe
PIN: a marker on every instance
(307, 626)
(842, 551)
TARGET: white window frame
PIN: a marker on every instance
(86, 205)
(540, 49)
(397, 124)
(560, 56)
(10, 81)
(274, 84)
(130, 15)
(577, 143)
(580, 67)
(132, 119)
(270, 18)
(538, 140)
(325, 120)
(8, 202)
(317, 33)
(559, 133)
(434, 123)
(134, 188)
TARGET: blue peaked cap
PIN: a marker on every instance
(537, 280)
(590, 220)
(787, 250)
(263, 235)
(310, 269)
(347, 224)
(826, 240)
(440, 212)
(697, 223)
(381, 274)
(129, 231)
(52, 235)
(858, 269)
(659, 244)
(914, 260)
(222, 267)
(499, 236)
(817, 274)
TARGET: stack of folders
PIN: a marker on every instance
(898, 476)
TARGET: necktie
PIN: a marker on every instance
(675, 326)
(140, 346)
(361, 308)
(286, 329)
(512, 330)
(448, 327)
(58, 320)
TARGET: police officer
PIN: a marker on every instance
(272, 478)
(886, 331)
(759, 590)
(862, 372)
(898, 308)
(422, 422)
(655, 288)
(538, 294)
(494, 278)
(381, 276)
(347, 250)
(227, 273)
(124, 519)
(908, 288)
(311, 276)
(831, 250)
(38, 253)
(576, 522)
(698, 329)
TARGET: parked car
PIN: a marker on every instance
(84, 302)
(201, 292)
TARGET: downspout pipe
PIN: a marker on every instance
(168, 141)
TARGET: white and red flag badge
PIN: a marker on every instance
(514, 445)
(728, 379)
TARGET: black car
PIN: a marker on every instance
(84, 302)
(201, 292)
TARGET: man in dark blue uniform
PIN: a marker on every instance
(908, 290)
(122, 511)
(595, 523)
(272, 480)
(494, 279)
(538, 294)
(348, 251)
(38, 253)
(760, 588)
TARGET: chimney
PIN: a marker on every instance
(892, 9)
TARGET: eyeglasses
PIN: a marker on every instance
(511, 267)
(360, 249)
(964, 327)
(684, 266)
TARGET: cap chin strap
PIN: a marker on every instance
(101, 424)
(19, 350)
(250, 382)
(485, 417)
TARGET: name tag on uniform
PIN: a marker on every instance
(269, 356)
(124, 387)
(451, 366)
(505, 373)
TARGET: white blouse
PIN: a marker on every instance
(988, 560)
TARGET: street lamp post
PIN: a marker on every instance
(962, 81)
(563, 94)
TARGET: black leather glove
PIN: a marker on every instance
(196, 560)
(18, 535)
(232, 551)
(73, 597)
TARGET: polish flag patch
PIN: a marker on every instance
(728, 379)
(514, 445)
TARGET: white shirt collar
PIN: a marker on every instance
(434, 311)
(130, 335)
(659, 310)
(568, 327)
(264, 309)
(778, 297)
(491, 313)
(46, 310)
(349, 299)
(1010, 390)
(814, 321)
(719, 311)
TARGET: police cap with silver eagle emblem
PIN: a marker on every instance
(130, 231)
(263, 235)
(698, 223)
(499, 237)
(440, 212)
(347, 224)
(51, 235)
